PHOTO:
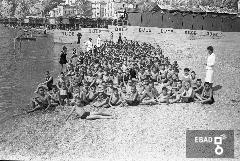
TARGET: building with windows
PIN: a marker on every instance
(96, 7)
(64, 11)
(109, 8)
(70, 2)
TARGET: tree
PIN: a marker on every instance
(6, 8)
(50, 4)
(85, 7)
(21, 10)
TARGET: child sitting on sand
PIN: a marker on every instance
(54, 97)
(186, 76)
(41, 101)
(133, 100)
(185, 94)
(163, 97)
(198, 88)
(207, 94)
(114, 99)
(123, 95)
(188, 93)
(64, 96)
(151, 93)
(92, 94)
(193, 79)
(102, 98)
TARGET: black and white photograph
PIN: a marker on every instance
(120, 80)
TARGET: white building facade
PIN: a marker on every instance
(70, 2)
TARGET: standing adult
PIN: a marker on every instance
(99, 42)
(89, 45)
(120, 39)
(210, 65)
(111, 37)
(79, 35)
(63, 57)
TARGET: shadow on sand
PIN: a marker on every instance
(217, 87)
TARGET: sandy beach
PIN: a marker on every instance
(137, 133)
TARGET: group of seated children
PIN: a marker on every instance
(123, 79)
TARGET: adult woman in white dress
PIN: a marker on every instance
(210, 66)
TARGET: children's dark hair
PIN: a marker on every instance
(210, 48)
(199, 80)
(186, 69)
(206, 83)
(179, 81)
(54, 87)
(164, 88)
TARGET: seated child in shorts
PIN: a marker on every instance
(76, 93)
(154, 75)
(178, 90)
(175, 65)
(54, 97)
(63, 90)
(151, 93)
(188, 93)
(109, 88)
(193, 79)
(92, 94)
(133, 100)
(114, 99)
(102, 98)
(186, 76)
(198, 89)
(164, 97)
(185, 94)
(41, 101)
(207, 94)
(123, 95)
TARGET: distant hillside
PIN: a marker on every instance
(229, 6)
(20, 8)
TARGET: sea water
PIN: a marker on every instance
(22, 69)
